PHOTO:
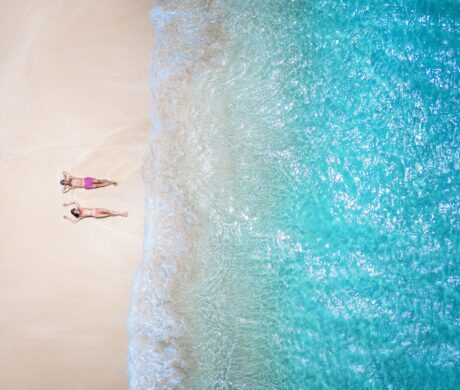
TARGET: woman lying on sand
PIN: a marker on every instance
(79, 213)
(69, 182)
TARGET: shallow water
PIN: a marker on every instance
(302, 225)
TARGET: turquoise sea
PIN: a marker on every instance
(302, 197)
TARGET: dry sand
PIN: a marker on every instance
(74, 96)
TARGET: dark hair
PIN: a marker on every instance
(62, 182)
(75, 212)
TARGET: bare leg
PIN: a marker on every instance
(98, 183)
(104, 213)
(118, 214)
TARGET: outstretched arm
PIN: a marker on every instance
(68, 204)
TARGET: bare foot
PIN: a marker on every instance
(124, 214)
(114, 183)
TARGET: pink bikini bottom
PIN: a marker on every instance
(89, 183)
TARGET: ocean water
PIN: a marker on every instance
(302, 197)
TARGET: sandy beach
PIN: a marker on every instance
(74, 87)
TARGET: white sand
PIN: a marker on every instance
(75, 96)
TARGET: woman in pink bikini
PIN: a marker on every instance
(79, 213)
(88, 183)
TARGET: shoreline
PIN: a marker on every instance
(160, 346)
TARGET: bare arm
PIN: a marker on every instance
(67, 175)
(66, 188)
(68, 204)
